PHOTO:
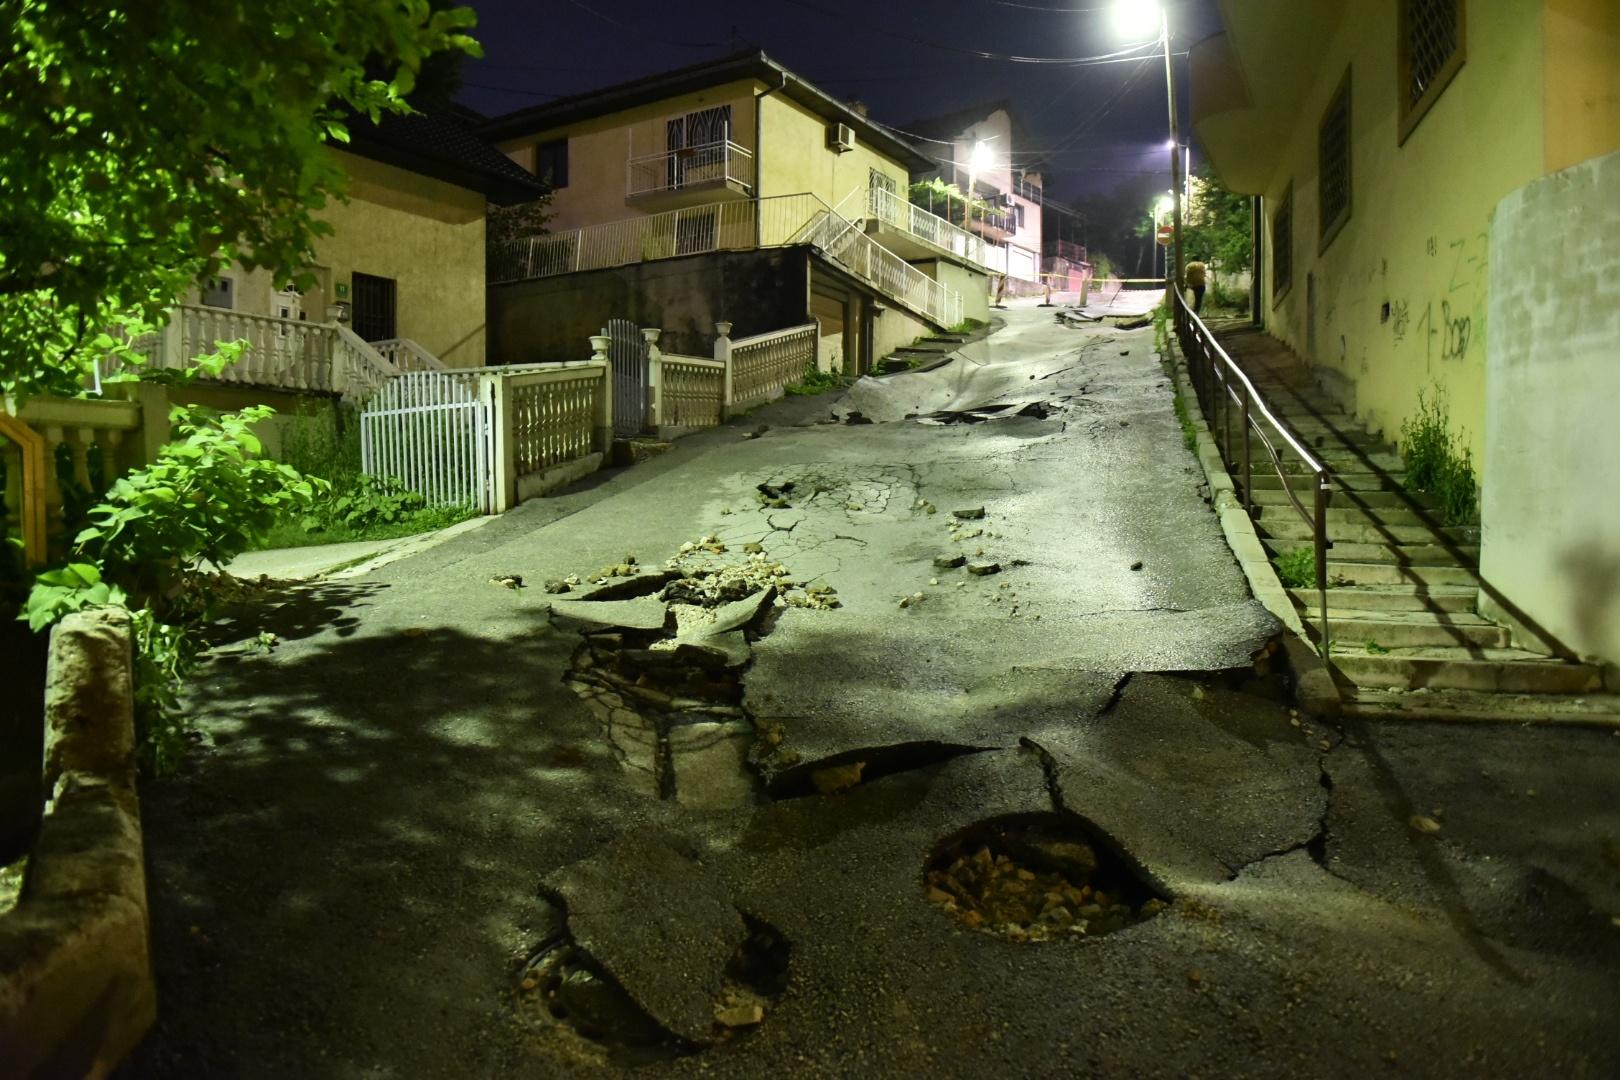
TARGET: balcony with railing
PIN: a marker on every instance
(690, 175)
(914, 233)
(1027, 191)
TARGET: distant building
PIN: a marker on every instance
(1005, 177)
(733, 191)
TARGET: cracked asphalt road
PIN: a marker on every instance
(349, 879)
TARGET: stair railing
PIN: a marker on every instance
(1222, 388)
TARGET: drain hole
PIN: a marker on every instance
(563, 986)
(1033, 877)
(828, 776)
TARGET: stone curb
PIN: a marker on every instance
(76, 985)
(1314, 688)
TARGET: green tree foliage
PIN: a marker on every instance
(145, 145)
(1219, 226)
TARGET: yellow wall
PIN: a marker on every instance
(795, 157)
(1582, 46)
(1418, 233)
(426, 234)
(600, 148)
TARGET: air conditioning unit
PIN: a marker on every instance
(840, 137)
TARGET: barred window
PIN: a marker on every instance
(1282, 245)
(1431, 48)
(1333, 165)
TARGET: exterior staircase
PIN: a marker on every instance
(921, 353)
(1403, 588)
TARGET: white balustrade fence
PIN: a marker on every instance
(763, 365)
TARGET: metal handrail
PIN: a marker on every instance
(1218, 367)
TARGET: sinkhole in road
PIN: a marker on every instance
(1036, 877)
(564, 988)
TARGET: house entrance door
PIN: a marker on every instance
(374, 307)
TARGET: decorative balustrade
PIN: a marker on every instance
(691, 392)
(358, 369)
(54, 449)
(406, 355)
(762, 366)
(709, 165)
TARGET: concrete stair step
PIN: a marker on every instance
(1265, 478)
(1392, 631)
(1343, 515)
(1446, 598)
(1291, 527)
(922, 350)
(1497, 671)
(947, 339)
(1594, 710)
(1342, 500)
(1354, 574)
(1392, 554)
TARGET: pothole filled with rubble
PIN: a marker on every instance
(563, 988)
(662, 658)
(1036, 877)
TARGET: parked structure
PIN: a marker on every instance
(1438, 212)
(731, 191)
(399, 283)
(983, 148)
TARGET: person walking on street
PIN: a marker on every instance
(1195, 282)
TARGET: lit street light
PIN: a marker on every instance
(1136, 20)
(979, 160)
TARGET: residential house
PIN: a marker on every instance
(1441, 199)
(399, 282)
(986, 149)
(729, 191)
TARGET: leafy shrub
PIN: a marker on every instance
(1436, 461)
(816, 381)
(207, 498)
(1297, 568)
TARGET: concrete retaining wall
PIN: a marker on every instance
(76, 987)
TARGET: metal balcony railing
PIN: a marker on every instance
(709, 165)
(893, 209)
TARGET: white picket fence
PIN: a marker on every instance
(432, 432)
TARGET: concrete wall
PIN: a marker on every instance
(1581, 42)
(972, 286)
(1417, 237)
(551, 319)
(426, 234)
(600, 148)
(1552, 523)
(795, 158)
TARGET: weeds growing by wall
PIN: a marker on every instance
(1437, 463)
(1297, 568)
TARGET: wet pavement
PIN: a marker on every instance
(450, 827)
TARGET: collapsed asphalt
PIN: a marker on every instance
(397, 803)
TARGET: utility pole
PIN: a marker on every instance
(1175, 273)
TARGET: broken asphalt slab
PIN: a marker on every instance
(660, 923)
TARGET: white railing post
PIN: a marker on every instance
(655, 377)
(496, 392)
(722, 353)
(602, 421)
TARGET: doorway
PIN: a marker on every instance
(374, 307)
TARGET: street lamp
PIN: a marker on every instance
(1161, 206)
(1135, 20)
(978, 161)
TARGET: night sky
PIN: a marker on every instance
(1098, 126)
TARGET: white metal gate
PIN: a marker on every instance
(627, 353)
(430, 431)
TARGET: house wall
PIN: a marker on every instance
(1582, 47)
(1417, 237)
(599, 150)
(972, 285)
(795, 157)
(551, 319)
(997, 133)
(1551, 525)
(426, 234)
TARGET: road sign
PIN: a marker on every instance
(1165, 234)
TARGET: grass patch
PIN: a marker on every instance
(1376, 649)
(1297, 568)
(1437, 463)
(816, 381)
(968, 325)
(360, 506)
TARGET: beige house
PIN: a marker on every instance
(399, 283)
(1441, 197)
(730, 191)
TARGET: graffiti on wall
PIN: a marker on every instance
(1451, 325)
